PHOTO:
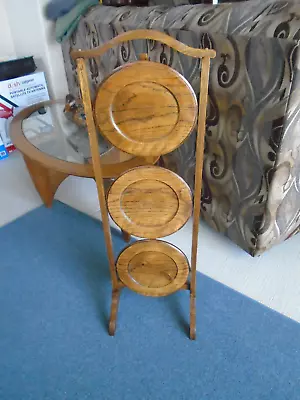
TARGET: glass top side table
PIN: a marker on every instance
(54, 148)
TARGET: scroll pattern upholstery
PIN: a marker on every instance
(251, 189)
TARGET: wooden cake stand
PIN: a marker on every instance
(148, 109)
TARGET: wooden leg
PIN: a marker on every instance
(114, 311)
(46, 181)
(192, 316)
(126, 236)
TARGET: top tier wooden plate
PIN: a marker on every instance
(145, 108)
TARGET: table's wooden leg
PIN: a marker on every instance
(126, 236)
(46, 181)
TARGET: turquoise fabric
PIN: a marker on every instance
(58, 8)
(66, 24)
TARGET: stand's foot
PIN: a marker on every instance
(192, 317)
(114, 311)
(126, 236)
(45, 180)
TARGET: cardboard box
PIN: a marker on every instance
(3, 152)
(16, 94)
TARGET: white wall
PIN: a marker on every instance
(29, 33)
(7, 48)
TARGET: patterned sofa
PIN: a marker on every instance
(251, 189)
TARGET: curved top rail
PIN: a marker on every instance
(144, 34)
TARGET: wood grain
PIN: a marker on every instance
(114, 162)
(150, 202)
(115, 300)
(143, 34)
(153, 268)
(139, 108)
(86, 97)
(205, 64)
(145, 109)
(46, 180)
(126, 236)
(144, 57)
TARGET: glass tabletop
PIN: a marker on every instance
(50, 131)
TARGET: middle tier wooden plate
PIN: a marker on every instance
(150, 202)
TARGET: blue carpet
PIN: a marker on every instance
(54, 305)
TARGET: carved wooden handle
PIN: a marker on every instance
(144, 34)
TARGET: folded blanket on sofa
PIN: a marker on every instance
(66, 24)
(58, 8)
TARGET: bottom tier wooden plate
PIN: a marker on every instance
(153, 268)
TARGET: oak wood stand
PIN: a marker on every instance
(147, 109)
